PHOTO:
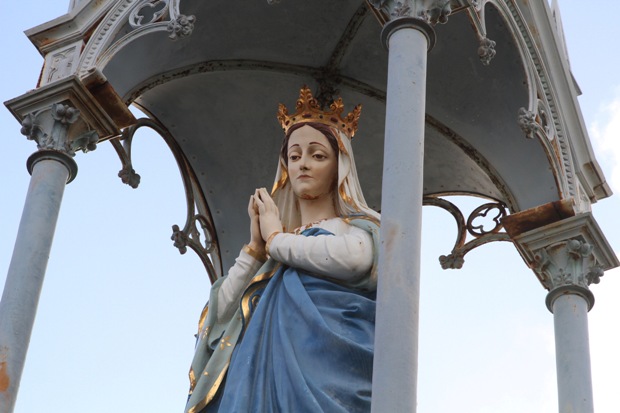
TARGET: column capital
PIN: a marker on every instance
(59, 128)
(62, 118)
(568, 267)
(429, 11)
(567, 256)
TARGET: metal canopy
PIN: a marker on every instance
(216, 92)
(500, 120)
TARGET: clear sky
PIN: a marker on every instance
(114, 330)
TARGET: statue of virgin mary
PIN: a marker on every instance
(291, 326)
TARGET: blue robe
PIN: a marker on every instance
(305, 344)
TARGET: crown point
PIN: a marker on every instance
(309, 110)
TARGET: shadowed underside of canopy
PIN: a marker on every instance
(502, 118)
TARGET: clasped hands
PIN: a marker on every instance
(264, 220)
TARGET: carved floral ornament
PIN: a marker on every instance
(431, 11)
(536, 122)
(568, 267)
(569, 263)
(50, 130)
(486, 50)
(540, 123)
(149, 12)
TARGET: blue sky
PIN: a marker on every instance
(114, 330)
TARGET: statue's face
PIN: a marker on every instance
(312, 163)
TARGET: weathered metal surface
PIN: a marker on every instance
(109, 100)
(329, 77)
(24, 280)
(537, 244)
(475, 155)
(464, 96)
(572, 353)
(242, 65)
(395, 368)
(456, 258)
(197, 209)
(523, 221)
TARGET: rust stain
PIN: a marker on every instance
(45, 41)
(391, 236)
(5, 380)
(529, 219)
(107, 97)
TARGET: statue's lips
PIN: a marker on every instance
(304, 177)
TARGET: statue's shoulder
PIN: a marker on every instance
(363, 221)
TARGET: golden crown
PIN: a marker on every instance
(309, 110)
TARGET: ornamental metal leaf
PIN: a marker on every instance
(571, 263)
(86, 142)
(486, 50)
(181, 27)
(401, 10)
(527, 122)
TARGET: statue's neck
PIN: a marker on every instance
(313, 210)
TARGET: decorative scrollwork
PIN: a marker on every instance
(189, 236)
(482, 211)
(456, 258)
(197, 210)
(122, 145)
(148, 12)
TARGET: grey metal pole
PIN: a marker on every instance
(50, 172)
(396, 334)
(572, 352)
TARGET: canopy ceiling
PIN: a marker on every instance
(216, 91)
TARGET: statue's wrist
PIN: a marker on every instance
(269, 239)
(256, 251)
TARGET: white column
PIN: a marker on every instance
(568, 268)
(50, 172)
(572, 354)
(396, 335)
(567, 255)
